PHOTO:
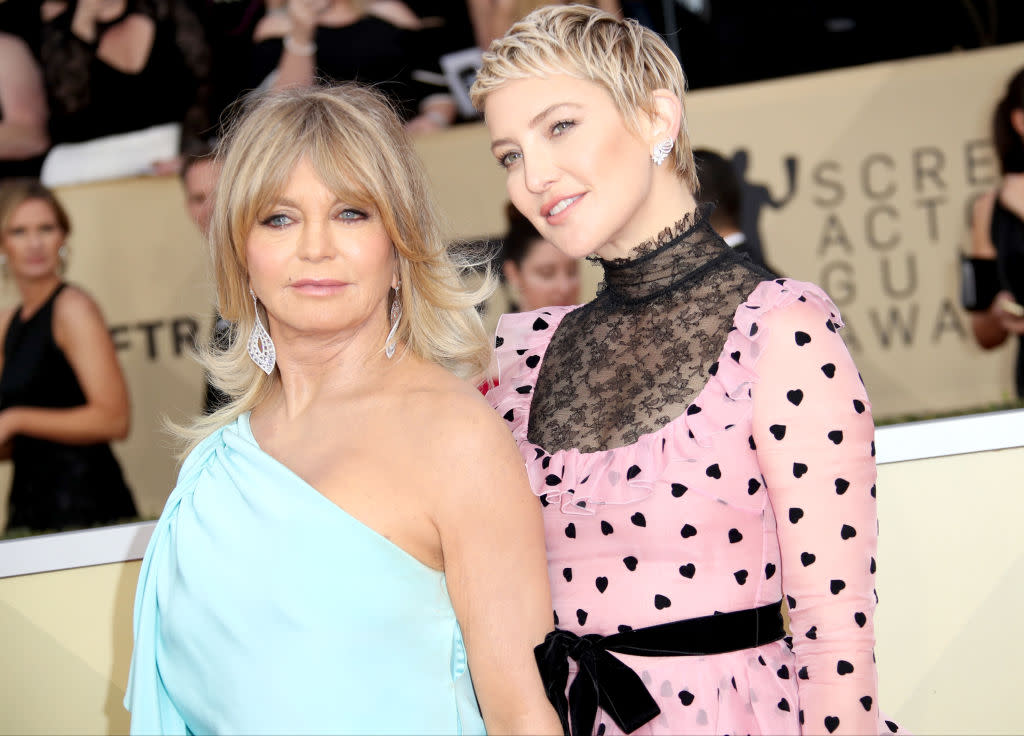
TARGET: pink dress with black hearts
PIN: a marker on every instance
(763, 488)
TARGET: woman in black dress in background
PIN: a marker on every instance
(62, 393)
(993, 288)
(379, 44)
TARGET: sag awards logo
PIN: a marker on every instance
(883, 234)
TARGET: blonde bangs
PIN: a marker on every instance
(357, 146)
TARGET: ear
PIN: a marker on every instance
(396, 277)
(1017, 120)
(666, 118)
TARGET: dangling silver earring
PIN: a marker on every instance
(661, 151)
(396, 316)
(62, 252)
(261, 347)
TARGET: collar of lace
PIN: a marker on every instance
(675, 256)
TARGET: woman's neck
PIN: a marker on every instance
(35, 292)
(667, 201)
(314, 368)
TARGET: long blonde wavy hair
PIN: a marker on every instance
(355, 142)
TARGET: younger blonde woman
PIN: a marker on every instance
(698, 435)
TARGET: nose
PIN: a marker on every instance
(37, 239)
(539, 172)
(316, 242)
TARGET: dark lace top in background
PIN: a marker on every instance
(632, 360)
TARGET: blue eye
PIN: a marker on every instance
(276, 221)
(352, 214)
(561, 126)
(507, 159)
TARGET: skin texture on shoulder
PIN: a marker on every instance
(23, 99)
(417, 455)
(487, 512)
(80, 330)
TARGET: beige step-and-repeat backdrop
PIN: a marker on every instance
(859, 180)
(949, 587)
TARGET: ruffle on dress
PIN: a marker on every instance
(631, 473)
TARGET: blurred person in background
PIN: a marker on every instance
(720, 186)
(491, 18)
(536, 272)
(378, 43)
(199, 173)
(117, 66)
(24, 138)
(228, 26)
(993, 283)
(63, 397)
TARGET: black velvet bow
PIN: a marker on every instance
(602, 680)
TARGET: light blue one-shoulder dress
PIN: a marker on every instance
(262, 607)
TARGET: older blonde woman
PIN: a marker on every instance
(698, 434)
(336, 557)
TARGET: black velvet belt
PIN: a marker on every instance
(603, 680)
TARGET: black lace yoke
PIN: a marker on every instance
(634, 358)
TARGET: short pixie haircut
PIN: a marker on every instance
(629, 61)
(356, 144)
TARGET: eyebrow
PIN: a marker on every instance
(537, 119)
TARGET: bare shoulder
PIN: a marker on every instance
(77, 319)
(455, 417)
(74, 304)
(272, 25)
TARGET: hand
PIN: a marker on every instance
(1008, 315)
(304, 15)
(166, 167)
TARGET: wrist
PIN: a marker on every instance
(437, 117)
(12, 420)
(298, 46)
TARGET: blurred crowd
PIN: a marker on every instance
(108, 88)
(94, 89)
